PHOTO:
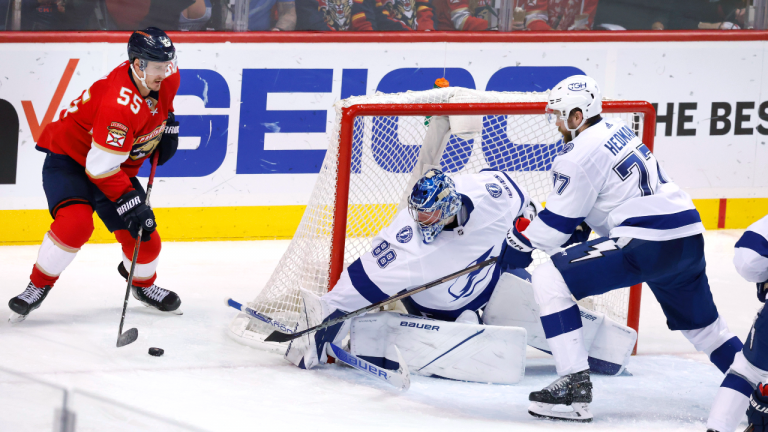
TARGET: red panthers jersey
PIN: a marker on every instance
(111, 129)
(559, 14)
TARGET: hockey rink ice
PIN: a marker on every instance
(207, 381)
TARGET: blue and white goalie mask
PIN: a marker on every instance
(432, 203)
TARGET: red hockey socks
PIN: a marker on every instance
(146, 264)
(70, 230)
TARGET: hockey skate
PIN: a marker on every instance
(26, 302)
(155, 297)
(566, 399)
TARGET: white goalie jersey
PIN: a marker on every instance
(400, 260)
(607, 177)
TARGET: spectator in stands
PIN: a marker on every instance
(406, 15)
(195, 17)
(133, 14)
(464, 15)
(259, 15)
(631, 15)
(336, 15)
(666, 15)
(56, 14)
(559, 14)
(707, 14)
(365, 15)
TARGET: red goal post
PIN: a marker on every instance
(445, 109)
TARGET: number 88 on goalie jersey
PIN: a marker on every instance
(399, 259)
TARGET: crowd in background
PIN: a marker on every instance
(375, 15)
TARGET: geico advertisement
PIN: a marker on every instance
(253, 117)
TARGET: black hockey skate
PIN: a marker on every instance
(574, 391)
(155, 297)
(26, 302)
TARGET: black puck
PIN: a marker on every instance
(157, 352)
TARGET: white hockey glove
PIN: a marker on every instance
(309, 350)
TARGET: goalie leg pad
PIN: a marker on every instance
(609, 344)
(466, 352)
(309, 350)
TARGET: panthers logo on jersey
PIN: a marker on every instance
(145, 144)
(337, 13)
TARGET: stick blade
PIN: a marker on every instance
(278, 336)
(128, 337)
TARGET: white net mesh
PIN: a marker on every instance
(385, 151)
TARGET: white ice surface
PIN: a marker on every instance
(207, 380)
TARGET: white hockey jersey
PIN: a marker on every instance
(607, 177)
(751, 258)
(400, 259)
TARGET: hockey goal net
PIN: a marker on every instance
(368, 170)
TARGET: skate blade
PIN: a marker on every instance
(579, 412)
(173, 312)
(16, 318)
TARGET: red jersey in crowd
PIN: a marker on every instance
(110, 129)
(559, 14)
(466, 15)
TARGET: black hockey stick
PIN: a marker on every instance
(279, 336)
(131, 335)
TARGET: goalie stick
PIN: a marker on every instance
(263, 318)
(281, 336)
(401, 378)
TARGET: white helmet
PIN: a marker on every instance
(577, 91)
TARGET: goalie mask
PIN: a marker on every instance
(433, 201)
(577, 91)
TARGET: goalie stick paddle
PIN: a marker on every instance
(263, 318)
(401, 378)
(280, 336)
(131, 335)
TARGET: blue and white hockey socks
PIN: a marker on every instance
(717, 342)
(561, 320)
(732, 398)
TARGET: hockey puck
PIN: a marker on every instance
(157, 352)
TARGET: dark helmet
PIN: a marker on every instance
(151, 44)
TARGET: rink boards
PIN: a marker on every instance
(255, 115)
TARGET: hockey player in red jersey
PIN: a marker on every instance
(93, 154)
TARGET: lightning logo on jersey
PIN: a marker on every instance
(597, 250)
(472, 280)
